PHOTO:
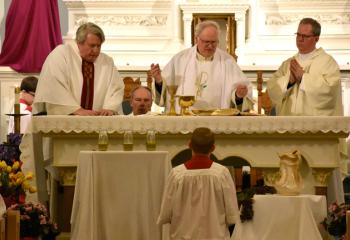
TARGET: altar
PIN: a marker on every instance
(257, 139)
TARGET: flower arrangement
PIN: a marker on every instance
(246, 201)
(35, 221)
(13, 182)
(335, 222)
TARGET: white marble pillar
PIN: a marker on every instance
(187, 18)
(240, 39)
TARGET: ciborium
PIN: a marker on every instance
(185, 102)
(172, 91)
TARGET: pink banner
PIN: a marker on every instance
(32, 32)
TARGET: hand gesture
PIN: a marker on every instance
(156, 73)
(105, 112)
(296, 72)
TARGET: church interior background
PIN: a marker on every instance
(259, 33)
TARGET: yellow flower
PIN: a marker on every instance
(19, 174)
(9, 169)
(29, 176)
(12, 175)
(3, 165)
(15, 166)
(25, 185)
(32, 189)
(19, 181)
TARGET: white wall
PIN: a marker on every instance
(4, 5)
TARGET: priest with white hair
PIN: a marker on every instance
(206, 72)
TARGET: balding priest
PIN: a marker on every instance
(78, 79)
(206, 72)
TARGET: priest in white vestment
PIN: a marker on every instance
(200, 199)
(78, 79)
(308, 84)
(206, 72)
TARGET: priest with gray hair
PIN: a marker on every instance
(206, 72)
(78, 79)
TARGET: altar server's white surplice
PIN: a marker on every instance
(199, 203)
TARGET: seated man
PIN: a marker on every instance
(200, 199)
(141, 100)
(28, 87)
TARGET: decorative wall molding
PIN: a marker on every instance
(112, 20)
(289, 18)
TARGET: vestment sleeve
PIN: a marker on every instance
(321, 83)
(115, 92)
(277, 84)
(55, 75)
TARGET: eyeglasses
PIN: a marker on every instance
(207, 43)
(303, 36)
(31, 93)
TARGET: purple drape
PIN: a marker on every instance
(32, 32)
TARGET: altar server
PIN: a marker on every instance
(200, 199)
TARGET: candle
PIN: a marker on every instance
(16, 105)
(17, 92)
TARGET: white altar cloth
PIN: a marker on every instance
(118, 195)
(176, 124)
(279, 217)
(257, 139)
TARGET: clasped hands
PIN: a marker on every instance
(296, 72)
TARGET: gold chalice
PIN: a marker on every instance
(185, 102)
(172, 91)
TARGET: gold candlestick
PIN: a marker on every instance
(17, 111)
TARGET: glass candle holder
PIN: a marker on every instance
(151, 140)
(103, 140)
(128, 141)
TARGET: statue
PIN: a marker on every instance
(291, 181)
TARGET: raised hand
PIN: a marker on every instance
(156, 73)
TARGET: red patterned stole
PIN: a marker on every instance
(87, 94)
(198, 162)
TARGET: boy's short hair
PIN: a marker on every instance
(202, 140)
(28, 84)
